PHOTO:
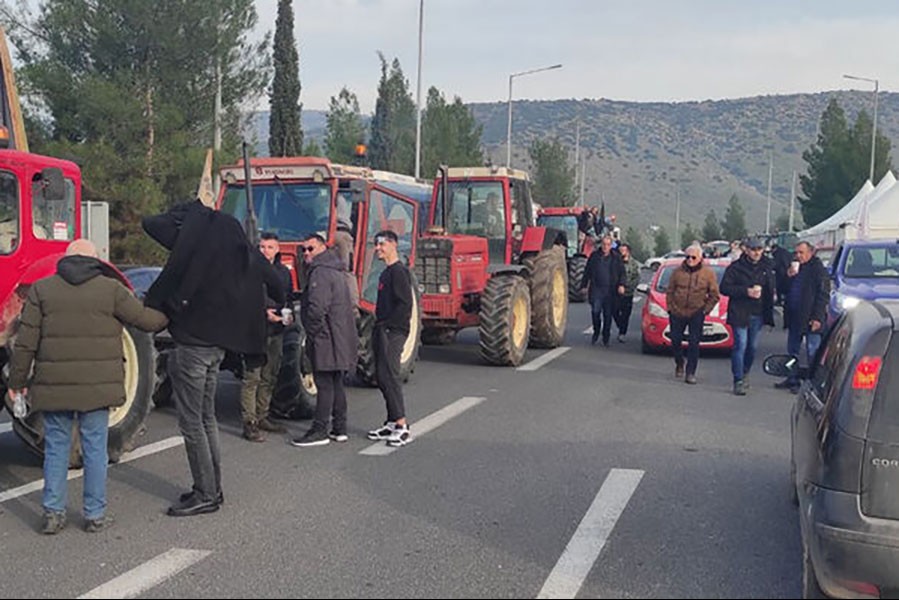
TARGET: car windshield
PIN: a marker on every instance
(290, 210)
(665, 275)
(873, 261)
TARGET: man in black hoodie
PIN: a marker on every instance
(749, 283)
(605, 278)
(212, 289)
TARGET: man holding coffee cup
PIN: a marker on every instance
(749, 283)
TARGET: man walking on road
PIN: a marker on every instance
(331, 340)
(393, 313)
(749, 282)
(625, 304)
(805, 310)
(604, 278)
(259, 379)
(692, 294)
(71, 333)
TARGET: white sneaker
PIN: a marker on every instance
(383, 432)
(400, 436)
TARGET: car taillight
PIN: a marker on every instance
(866, 373)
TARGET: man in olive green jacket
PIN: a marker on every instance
(71, 333)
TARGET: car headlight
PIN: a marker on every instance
(847, 302)
(443, 288)
(656, 310)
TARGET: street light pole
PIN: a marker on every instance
(509, 125)
(874, 123)
(768, 211)
(421, 22)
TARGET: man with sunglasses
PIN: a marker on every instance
(331, 340)
(749, 283)
(692, 294)
(392, 315)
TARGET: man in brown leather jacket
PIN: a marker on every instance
(692, 294)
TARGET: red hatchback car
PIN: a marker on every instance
(716, 333)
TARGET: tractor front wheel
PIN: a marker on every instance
(576, 266)
(548, 281)
(505, 320)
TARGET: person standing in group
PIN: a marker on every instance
(392, 315)
(781, 258)
(259, 379)
(604, 278)
(212, 289)
(331, 340)
(805, 309)
(692, 294)
(625, 303)
(71, 333)
(749, 283)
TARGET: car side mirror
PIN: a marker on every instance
(643, 288)
(780, 365)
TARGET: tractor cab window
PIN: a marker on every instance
(52, 219)
(477, 208)
(9, 213)
(290, 210)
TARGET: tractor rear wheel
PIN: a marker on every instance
(548, 281)
(366, 368)
(505, 320)
(576, 266)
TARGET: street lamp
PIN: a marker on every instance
(421, 25)
(874, 123)
(509, 130)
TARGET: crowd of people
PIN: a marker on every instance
(217, 294)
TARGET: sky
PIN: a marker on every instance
(628, 50)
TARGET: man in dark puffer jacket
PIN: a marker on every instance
(71, 331)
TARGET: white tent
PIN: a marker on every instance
(845, 222)
(879, 217)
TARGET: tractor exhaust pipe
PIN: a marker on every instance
(251, 227)
(444, 189)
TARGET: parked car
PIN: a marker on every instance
(141, 278)
(863, 270)
(844, 461)
(656, 261)
(716, 333)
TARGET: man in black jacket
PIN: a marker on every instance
(212, 289)
(805, 309)
(331, 340)
(393, 314)
(605, 278)
(749, 284)
(782, 258)
(259, 377)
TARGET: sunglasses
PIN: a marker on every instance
(693, 257)
(306, 249)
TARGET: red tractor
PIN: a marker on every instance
(296, 196)
(484, 263)
(580, 246)
(40, 214)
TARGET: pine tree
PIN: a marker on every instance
(711, 229)
(345, 128)
(450, 135)
(662, 242)
(392, 146)
(285, 130)
(689, 235)
(552, 173)
(312, 148)
(782, 223)
(733, 227)
(638, 248)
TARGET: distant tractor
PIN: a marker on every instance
(580, 246)
(296, 196)
(484, 263)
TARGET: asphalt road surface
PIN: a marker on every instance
(594, 474)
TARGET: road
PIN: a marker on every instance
(656, 489)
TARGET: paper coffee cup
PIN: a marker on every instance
(794, 265)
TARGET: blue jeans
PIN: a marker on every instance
(743, 352)
(93, 427)
(602, 309)
(794, 345)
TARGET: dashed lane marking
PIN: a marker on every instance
(544, 358)
(153, 448)
(584, 548)
(148, 575)
(4, 427)
(429, 423)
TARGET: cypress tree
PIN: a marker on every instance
(285, 136)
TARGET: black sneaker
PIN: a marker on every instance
(219, 499)
(54, 522)
(313, 437)
(251, 432)
(400, 436)
(383, 432)
(594, 338)
(338, 437)
(98, 525)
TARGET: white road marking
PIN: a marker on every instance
(429, 423)
(583, 549)
(153, 448)
(148, 575)
(544, 358)
(4, 427)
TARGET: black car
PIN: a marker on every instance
(845, 456)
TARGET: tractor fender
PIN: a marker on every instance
(498, 269)
(541, 238)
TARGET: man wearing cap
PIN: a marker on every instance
(749, 282)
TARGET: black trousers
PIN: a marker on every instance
(330, 405)
(624, 306)
(678, 324)
(388, 346)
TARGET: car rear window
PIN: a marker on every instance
(665, 276)
(884, 423)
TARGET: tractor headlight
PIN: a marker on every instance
(443, 288)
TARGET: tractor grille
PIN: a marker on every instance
(432, 273)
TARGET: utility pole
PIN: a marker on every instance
(583, 178)
(678, 244)
(421, 23)
(768, 211)
(792, 199)
(577, 148)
